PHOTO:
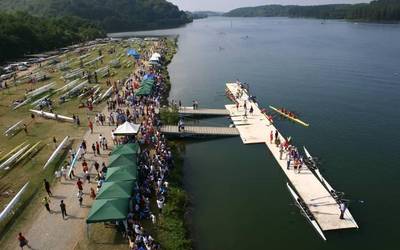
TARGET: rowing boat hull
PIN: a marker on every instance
(52, 116)
(12, 203)
(53, 155)
(291, 118)
(312, 221)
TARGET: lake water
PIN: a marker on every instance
(343, 78)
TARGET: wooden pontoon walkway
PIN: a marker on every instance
(194, 131)
(202, 112)
(256, 129)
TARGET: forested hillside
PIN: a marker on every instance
(21, 33)
(112, 15)
(380, 10)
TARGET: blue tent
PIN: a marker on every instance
(133, 53)
(148, 76)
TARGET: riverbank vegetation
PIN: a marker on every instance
(112, 15)
(21, 33)
(380, 10)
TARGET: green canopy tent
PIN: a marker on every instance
(121, 174)
(130, 148)
(108, 210)
(115, 190)
(122, 160)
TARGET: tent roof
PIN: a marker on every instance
(127, 129)
(108, 210)
(115, 190)
(121, 174)
(129, 148)
(122, 161)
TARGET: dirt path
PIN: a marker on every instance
(51, 231)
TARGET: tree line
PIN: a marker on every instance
(21, 33)
(112, 15)
(379, 10)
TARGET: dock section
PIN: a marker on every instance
(189, 111)
(199, 131)
(256, 128)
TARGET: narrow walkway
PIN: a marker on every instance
(192, 131)
(50, 231)
(202, 112)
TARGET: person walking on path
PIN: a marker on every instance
(47, 187)
(92, 193)
(23, 241)
(80, 198)
(46, 203)
(91, 126)
(55, 142)
(97, 147)
(79, 184)
(94, 149)
(63, 209)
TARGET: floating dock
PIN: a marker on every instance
(199, 131)
(256, 128)
(189, 111)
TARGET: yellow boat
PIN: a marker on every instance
(31, 150)
(289, 117)
(12, 151)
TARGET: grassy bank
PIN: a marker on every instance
(172, 231)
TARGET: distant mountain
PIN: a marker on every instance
(112, 15)
(204, 14)
(379, 10)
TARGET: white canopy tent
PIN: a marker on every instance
(155, 57)
(127, 129)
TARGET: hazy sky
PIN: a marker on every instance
(225, 5)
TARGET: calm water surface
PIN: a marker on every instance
(342, 78)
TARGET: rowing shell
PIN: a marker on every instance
(289, 117)
(327, 185)
(12, 151)
(12, 128)
(10, 161)
(13, 202)
(52, 115)
(310, 219)
(29, 151)
(58, 149)
(322, 179)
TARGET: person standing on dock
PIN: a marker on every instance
(271, 137)
(342, 208)
(251, 110)
(280, 151)
(288, 163)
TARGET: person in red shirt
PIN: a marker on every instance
(91, 126)
(79, 183)
(22, 241)
(84, 165)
